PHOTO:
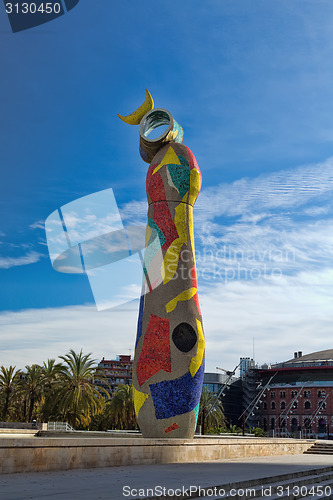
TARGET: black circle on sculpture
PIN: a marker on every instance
(184, 337)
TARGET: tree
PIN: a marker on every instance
(211, 412)
(9, 383)
(121, 408)
(51, 381)
(77, 397)
(33, 388)
(51, 370)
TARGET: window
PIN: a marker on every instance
(283, 405)
(293, 394)
(282, 394)
(307, 405)
(265, 405)
(307, 394)
(322, 406)
(295, 405)
(273, 405)
(272, 423)
(321, 394)
(272, 394)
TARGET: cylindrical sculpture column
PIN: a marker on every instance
(168, 365)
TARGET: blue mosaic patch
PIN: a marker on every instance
(175, 397)
(139, 331)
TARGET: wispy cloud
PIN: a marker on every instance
(29, 258)
(259, 197)
(40, 224)
(134, 212)
(283, 221)
(23, 246)
(278, 191)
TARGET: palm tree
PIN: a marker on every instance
(33, 388)
(51, 379)
(50, 371)
(121, 408)
(211, 412)
(9, 383)
(77, 395)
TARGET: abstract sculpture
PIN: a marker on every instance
(168, 365)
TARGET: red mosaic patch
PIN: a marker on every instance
(196, 300)
(192, 160)
(172, 427)
(194, 277)
(155, 187)
(163, 219)
(155, 353)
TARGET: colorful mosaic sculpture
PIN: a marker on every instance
(168, 365)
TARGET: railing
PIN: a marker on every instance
(59, 426)
(309, 434)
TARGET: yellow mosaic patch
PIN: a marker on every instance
(171, 257)
(196, 361)
(186, 295)
(195, 185)
(139, 398)
(169, 157)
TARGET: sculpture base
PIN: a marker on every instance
(69, 452)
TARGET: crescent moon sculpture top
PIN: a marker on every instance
(137, 115)
(168, 366)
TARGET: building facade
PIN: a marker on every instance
(299, 396)
(113, 373)
(250, 383)
(231, 396)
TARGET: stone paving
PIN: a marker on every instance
(108, 483)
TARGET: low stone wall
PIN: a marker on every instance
(51, 454)
(12, 432)
(17, 425)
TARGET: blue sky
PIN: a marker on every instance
(250, 81)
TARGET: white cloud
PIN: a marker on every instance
(291, 248)
(315, 211)
(30, 258)
(82, 228)
(134, 212)
(267, 198)
(282, 315)
(279, 190)
(40, 224)
(283, 220)
(34, 335)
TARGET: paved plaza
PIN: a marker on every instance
(108, 483)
